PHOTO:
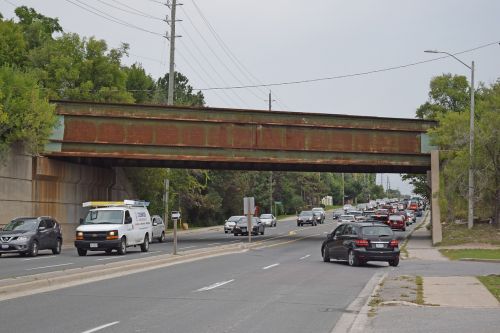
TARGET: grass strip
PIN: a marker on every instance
(471, 253)
(492, 283)
(419, 281)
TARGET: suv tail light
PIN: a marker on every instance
(362, 242)
(394, 243)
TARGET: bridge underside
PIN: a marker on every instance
(209, 138)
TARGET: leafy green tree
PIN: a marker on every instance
(12, 44)
(25, 114)
(139, 83)
(38, 29)
(183, 91)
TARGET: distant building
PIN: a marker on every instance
(327, 201)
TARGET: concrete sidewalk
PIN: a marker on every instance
(420, 244)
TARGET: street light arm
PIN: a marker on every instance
(451, 55)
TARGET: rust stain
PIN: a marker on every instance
(167, 134)
(79, 130)
(110, 132)
(139, 134)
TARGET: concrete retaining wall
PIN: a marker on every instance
(34, 186)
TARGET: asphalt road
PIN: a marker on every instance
(274, 288)
(12, 265)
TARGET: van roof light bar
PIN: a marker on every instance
(135, 203)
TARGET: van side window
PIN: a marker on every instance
(127, 215)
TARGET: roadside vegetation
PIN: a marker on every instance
(492, 283)
(456, 234)
(488, 254)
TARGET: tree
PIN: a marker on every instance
(12, 44)
(38, 29)
(139, 83)
(25, 114)
(183, 91)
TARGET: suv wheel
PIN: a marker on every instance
(57, 248)
(352, 260)
(394, 262)
(122, 250)
(326, 255)
(145, 244)
(33, 249)
(82, 252)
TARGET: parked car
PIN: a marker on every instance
(306, 217)
(268, 219)
(158, 228)
(346, 218)
(112, 226)
(28, 235)
(241, 227)
(361, 242)
(397, 222)
(321, 211)
(231, 222)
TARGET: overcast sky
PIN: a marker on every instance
(275, 41)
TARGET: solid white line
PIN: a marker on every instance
(101, 327)
(143, 253)
(187, 247)
(215, 285)
(27, 259)
(213, 244)
(109, 258)
(307, 256)
(30, 269)
(270, 266)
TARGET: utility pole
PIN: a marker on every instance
(343, 189)
(271, 174)
(171, 75)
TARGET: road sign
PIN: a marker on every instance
(175, 215)
(248, 205)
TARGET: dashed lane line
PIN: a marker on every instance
(50, 266)
(98, 328)
(304, 257)
(271, 266)
(215, 285)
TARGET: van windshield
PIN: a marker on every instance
(104, 217)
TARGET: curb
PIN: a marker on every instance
(480, 260)
(33, 284)
(356, 314)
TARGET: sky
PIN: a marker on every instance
(227, 43)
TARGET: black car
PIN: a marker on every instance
(28, 235)
(306, 217)
(241, 227)
(361, 242)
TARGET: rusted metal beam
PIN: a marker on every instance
(237, 138)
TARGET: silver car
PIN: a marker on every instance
(231, 222)
(268, 219)
(158, 228)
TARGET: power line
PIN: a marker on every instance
(133, 11)
(230, 54)
(386, 69)
(215, 54)
(108, 17)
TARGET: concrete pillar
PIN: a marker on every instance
(437, 233)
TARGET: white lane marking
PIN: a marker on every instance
(215, 285)
(325, 232)
(110, 258)
(50, 266)
(187, 247)
(213, 244)
(44, 257)
(270, 266)
(101, 327)
(306, 256)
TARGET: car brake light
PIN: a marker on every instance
(394, 243)
(362, 242)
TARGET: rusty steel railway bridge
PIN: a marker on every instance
(110, 134)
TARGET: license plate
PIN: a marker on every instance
(94, 245)
(379, 245)
(5, 246)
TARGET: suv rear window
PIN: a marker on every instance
(377, 231)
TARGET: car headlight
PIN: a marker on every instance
(22, 238)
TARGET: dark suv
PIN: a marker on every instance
(359, 242)
(28, 235)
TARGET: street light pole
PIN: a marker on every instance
(470, 221)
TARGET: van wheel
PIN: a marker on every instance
(122, 250)
(57, 249)
(162, 237)
(82, 252)
(145, 244)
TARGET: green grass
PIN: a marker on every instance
(455, 234)
(492, 283)
(471, 253)
(420, 290)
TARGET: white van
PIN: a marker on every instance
(114, 225)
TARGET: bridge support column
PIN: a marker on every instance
(437, 233)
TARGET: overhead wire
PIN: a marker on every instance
(133, 11)
(385, 69)
(214, 53)
(108, 17)
(239, 65)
